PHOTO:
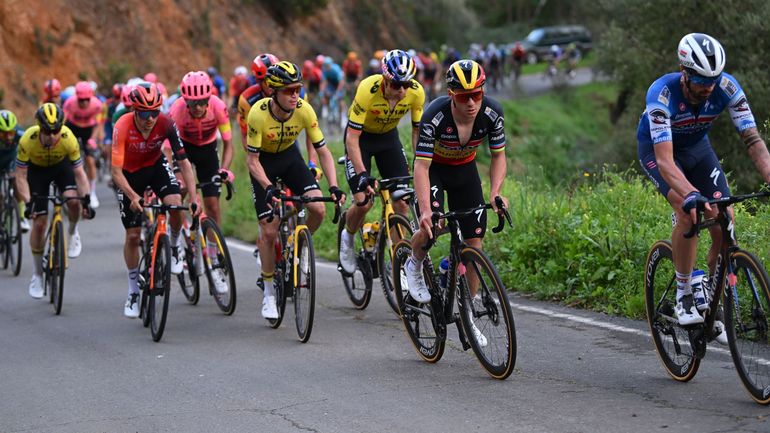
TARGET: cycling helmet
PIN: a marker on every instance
(125, 96)
(397, 65)
(319, 60)
(52, 88)
(150, 77)
(352, 55)
(465, 75)
(260, 64)
(196, 85)
(211, 71)
(701, 54)
(328, 61)
(240, 71)
(283, 74)
(117, 90)
(8, 121)
(49, 117)
(83, 90)
(146, 97)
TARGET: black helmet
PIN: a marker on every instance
(50, 117)
(283, 74)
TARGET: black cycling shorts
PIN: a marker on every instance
(83, 135)
(463, 189)
(388, 153)
(291, 168)
(39, 180)
(159, 177)
(206, 162)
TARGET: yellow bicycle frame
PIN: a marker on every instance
(295, 259)
(52, 229)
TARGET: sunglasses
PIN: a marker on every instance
(395, 85)
(197, 103)
(83, 100)
(703, 81)
(463, 98)
(289, 91)
(145, 115)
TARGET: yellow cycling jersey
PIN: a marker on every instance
(32, 151)
(268, 134)
(371, 112)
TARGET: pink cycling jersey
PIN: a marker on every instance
(82, 117)
(201, 131)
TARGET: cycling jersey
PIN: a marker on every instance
(669, 117)
(82, 117)
(333, 74)
(248, 98)
(268, 134)
(8, 152)
(371, 112)
(352, 69)
(131, 151)
(201, 131)
(439, 141)
(33, 152)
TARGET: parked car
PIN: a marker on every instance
(538, 43)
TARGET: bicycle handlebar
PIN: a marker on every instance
(383, 184)
(721, 203)
(502, 217)
(56, 199)
(305, 199)
(217, 180)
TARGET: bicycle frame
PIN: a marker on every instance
(159, 230)
(56, 217)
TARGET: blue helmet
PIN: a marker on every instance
(397, 65)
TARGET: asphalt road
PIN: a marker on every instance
(92, 370)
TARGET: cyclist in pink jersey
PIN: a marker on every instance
(198, 115)
(80, 114)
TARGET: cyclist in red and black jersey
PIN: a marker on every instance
(138, 162)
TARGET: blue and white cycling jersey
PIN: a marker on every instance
(669, 117)
(333, 74)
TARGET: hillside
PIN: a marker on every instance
(99, 39)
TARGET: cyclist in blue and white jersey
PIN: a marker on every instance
(332, 86)
(675, 152)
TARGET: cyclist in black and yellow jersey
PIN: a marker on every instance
(380, 103)
(274, 124)
(49, 152)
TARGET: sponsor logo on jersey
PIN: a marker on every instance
(437, 119)
(664, 95)
(448, 129)
(491, 113)
(741, 105)
(682, 106)
(428, 130)
(718, 194)
(728, 86)
(658, 117)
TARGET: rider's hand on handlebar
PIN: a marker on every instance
(271, 195)
(339, 196)
(226, 175)
(493, 201)
(426, 223)
(136, 204)
(692, 202)
(365, 183)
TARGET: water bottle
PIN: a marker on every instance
(443, 269)
(369, 237)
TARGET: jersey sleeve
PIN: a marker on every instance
(494, 113)
(429, 123)
(360, 105)
(417, 104)
(254, 125)
(119, 135)
(737, 105)
(243, 112)
(73, 148)
(312, 128)
(22, 156)
(659, 113)
(172, 133)
(223, 120)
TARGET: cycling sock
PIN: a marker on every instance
(267, 283)
(683, 287)
(133, 281)
(93, 187)
(37, 260)
(22, 208)
(73, 227)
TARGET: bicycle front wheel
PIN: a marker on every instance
(220, 274)
(56, 267)
(13, 231)
(358, 286)
(417, 318)
(279, 289)
(399, 229)
(487, 318)
(188, 278)
(304, 290)
(747, 311)
(160, 290)
(671, 340)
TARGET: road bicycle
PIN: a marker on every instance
(155, 270)
(487, 318)
(739, 283)
(374, 244)
(200, 262)
(10, 227)
(294, 276)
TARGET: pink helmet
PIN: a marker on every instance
(125, 96)
(83, 90)
(319, 60)
(151, 77)
(196, 85)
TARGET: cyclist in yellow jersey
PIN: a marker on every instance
(49, 152)
(380, 103)
(273, 126)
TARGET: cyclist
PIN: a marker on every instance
(198, 115)
(313, 76)
(332, 87)
(675, 151)
(256, 92)
(49, 152)
(518, 57)
(80, 114)
(51, 92)
(274, 124)
(217, 81)
(238, 83)
(452, 129)
(351, 66)
(138, 163)
(10, 134)
(380, 103)
(573, 55)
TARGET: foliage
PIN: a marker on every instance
(634, 52)
(114, 72)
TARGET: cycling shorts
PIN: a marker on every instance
(700, 166)
(388, 153)
(159, 177)
(40, 178)
(291, 168)
(462, 185)
(83, 135)
(206, 162)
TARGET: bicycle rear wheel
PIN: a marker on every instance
(13, 231)
(747, 316)
(159, 293)
(417, 318)
(399, 229)
(671, 340)
(489, 313)
(221, 267)
(304, 290)
(56, 267)
(188, 278)
(358, 286)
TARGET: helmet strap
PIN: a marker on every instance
(278, 104)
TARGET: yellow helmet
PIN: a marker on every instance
(50, 117)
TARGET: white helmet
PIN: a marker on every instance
(240, 71)
(702, 54)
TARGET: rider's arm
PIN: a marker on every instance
(180, 156)
(118, 155)
(256, 170)
(227, 136)
(84, 186)
(417, 109)
(757, 151)
(22, 186)
(671, 173)
(497, 170)
(352, 146)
